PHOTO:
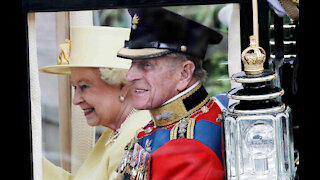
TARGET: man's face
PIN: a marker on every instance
(154, 81)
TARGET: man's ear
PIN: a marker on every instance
(186, 75)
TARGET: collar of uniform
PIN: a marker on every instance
(175, 110)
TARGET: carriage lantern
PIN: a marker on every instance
(257, 129)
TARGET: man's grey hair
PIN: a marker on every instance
(199, 73)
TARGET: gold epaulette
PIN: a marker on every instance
(183, 129)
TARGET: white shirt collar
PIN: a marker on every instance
(182, 93)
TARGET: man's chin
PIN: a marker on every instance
(141, 105)
(146, 106)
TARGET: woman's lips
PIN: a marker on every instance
(88, 111)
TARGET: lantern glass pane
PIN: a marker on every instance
(257, 147)
(286, 157)
(230, 146)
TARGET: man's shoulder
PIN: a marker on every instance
(210, 112)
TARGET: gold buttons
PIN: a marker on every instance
(183, 48)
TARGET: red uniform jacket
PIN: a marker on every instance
(186, 142)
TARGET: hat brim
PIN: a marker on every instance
(65, 69)
(141, 54)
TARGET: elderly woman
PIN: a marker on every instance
(100, 89)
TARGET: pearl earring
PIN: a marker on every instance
(121, 98)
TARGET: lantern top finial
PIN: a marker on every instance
(253, 58)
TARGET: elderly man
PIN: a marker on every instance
(183, 140)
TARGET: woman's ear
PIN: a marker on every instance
(186, 76)
(124, 89)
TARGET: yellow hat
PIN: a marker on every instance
(93, 46)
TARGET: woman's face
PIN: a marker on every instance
(98, 100)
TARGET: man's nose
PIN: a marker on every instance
(133, 73)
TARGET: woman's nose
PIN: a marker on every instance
(77, 97)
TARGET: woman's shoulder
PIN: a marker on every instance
(142, 114)
(138, 119)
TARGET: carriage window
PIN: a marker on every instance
(58, 143)
(47, 54)
(212, 16)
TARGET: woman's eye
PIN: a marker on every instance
(82, 87)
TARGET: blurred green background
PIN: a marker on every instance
(216, 58)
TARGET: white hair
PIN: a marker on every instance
(114, 76)
(199, 72)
